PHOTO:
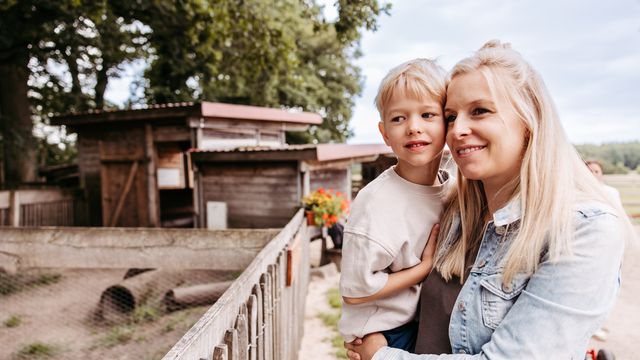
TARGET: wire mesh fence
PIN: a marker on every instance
(67, 293)
(102, 313)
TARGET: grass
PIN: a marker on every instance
(118, 335)
(331, 318)
(36, 351)
(12, 321)
(145, 314)
(10, 284)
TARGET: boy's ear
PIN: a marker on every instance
(384, 135)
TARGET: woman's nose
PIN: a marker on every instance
(460, 127)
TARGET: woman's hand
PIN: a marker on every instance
(364, 349)
(430, 249)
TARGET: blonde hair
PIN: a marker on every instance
(552, 179)
(417, 79)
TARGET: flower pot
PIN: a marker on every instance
(310, 220)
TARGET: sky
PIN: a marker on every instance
(587, 51)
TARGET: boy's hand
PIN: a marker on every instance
(364, 349)
(430, 250)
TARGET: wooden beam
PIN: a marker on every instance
(152, 184)
(123, 195)
(122, 248)
(14, 208)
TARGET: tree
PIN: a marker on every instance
(58, 57)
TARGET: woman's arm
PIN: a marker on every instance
(564, 302)
(405, 278)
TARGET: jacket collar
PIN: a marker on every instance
(509, 213)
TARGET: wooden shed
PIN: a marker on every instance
(257, 187)
(134, 165)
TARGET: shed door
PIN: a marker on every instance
(124, 185)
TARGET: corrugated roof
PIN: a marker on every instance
(315, 152)
(190, 109)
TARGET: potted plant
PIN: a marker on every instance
(325, 207)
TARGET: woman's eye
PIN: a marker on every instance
(479, 111)
(449, 119)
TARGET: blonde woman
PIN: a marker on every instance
(530, 248)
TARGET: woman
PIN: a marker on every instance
(528, 229)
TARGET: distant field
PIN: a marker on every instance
(629, 187)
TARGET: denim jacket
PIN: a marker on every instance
(550, 314)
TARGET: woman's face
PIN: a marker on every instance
(484, 133)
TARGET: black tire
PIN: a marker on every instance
(605, 354)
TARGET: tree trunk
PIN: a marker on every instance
(19, 145)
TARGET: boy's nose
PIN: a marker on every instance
(414, 127)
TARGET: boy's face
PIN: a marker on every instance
(414, 129)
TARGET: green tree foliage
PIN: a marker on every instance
(616, 158)
(58, 57)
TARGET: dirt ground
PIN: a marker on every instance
(60, 315)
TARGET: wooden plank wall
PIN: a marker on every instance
(258, 195)
(89, 167)
(259, 317)
(335, 179)
(42, 207)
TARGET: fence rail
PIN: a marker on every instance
(49, 207)
(261, 316)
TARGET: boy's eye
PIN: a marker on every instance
(479, 111)
(397, 118)
(427, 115)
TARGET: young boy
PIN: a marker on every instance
(384, 257)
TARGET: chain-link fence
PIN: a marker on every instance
(102, 314)
(65, 294)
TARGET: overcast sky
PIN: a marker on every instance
(588, 52)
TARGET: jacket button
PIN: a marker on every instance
(482, 263)
(507, 288)
(462, 351)
(461, 306)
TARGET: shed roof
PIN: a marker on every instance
(209, 110)
(319, 152)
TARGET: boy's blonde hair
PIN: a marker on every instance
(552, 178)
(416, 79)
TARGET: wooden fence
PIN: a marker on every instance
(50, 207)
(261, 316)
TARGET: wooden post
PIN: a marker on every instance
(257, 291)
(231, 340)
(252, 312)
(220, 352)
(14, 208)
(152, 183)
(243, 335)
(265, 284)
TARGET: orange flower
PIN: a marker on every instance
(325, 216)
(321, 191)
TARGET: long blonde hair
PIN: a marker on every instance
(552, 179)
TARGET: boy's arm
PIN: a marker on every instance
(405, 278)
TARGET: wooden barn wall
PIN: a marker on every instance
(89, 167)
(258, 195)
(335, 179)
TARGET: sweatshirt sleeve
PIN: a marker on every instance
(364, 266)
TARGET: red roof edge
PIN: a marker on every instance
(232, 111)
(327, 152)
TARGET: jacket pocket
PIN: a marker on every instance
(497, 299)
